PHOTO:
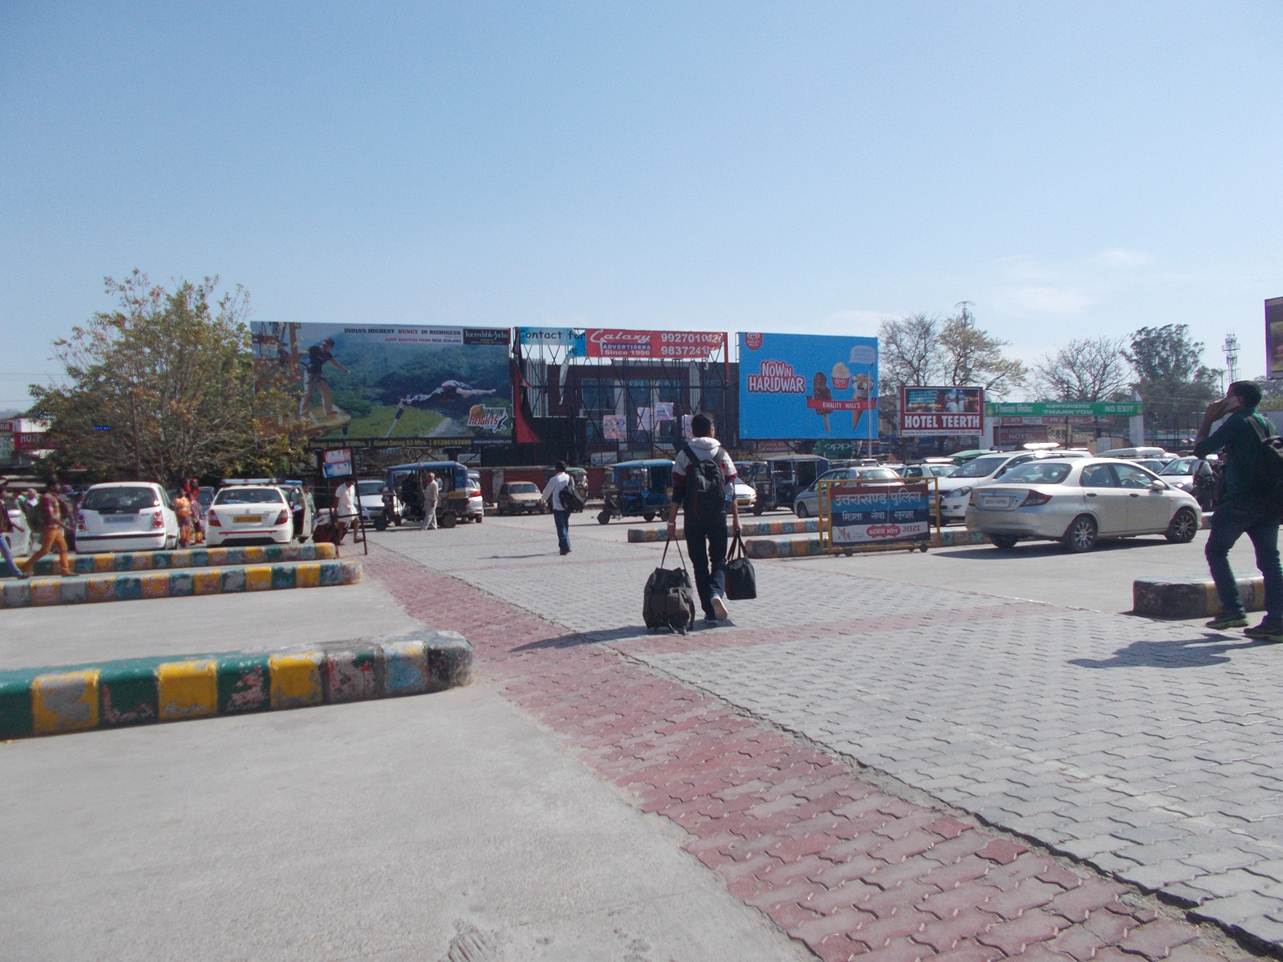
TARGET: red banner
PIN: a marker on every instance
(687, 345)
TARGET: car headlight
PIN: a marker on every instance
(960, 493)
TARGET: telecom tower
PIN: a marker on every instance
(1230, 347)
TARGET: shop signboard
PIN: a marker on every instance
(337, 462)
(941, 411)
(673, 345)
(451, 385)
(1274, 336)
(808, 387)
(855, 513)
(562, 337)
(1063, 409)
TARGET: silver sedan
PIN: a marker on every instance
(1078, 502)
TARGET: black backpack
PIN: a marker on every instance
(705, 490)
(1271, 492)
(570, 500)
(669, 601)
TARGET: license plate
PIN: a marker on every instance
(995, 501)
(245, 518)
(117, 519)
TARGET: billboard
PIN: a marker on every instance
(808, 387)
(678, 345)
(870, 514)
(941, 411)
(434, 384)
(1274, 337)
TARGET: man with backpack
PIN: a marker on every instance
(559, 492)
(703, 485)
(1248, 506)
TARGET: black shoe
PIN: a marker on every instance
(1266, 631)
(1227, 620)
(565, 551)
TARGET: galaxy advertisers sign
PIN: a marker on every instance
(941, 411)
(869, 514)
(681, 345)
(808, 387)
(1274, 337)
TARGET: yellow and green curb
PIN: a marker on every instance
(121, 561)
(137, 691)
(810, 547)
(133, 586)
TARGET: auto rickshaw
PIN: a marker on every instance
(779, 480)
(757, 474)
(452, 479)
(638, 488)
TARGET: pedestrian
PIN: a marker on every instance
(54, 537)
(183, 511)
(343, 511)
(552, 491)
(704, 486)
(6, 533)
(429, 495)
(1243, 508)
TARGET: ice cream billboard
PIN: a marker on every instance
(941, 411)
(444, 384)
(808, 387)
(1274, 337)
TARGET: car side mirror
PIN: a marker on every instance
(1157, 485)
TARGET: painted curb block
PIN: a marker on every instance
(1191, 598)
(82, 589)
(106, 563)
(139, 691)
(810, 547)
(750, 529)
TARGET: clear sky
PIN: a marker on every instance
(1071, 168)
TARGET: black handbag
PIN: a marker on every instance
(741, 579)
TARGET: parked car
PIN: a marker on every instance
(476, 510)
(249, 514)
(379, 506)
(521, 497)
(126, 516)
(955, 490)
(1079, 502)
(745, 495)
(20, 537)
(1194, 476)
(1132, 454)
(806, 505)
(928, 469)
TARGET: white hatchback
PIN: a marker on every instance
(249, 514)
(125, 516)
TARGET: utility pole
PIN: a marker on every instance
(966, 314)
(1230, 347)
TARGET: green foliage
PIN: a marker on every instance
(162, 388)
(1172, 380)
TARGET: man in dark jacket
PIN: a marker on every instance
(1244, 507)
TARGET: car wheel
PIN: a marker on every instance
(448, 519)
(1080, 535)
(1183, 527)
(480, 518)
(648, 516)
(1004, 541)
(799, 509)
(758, 509)
(603, 517)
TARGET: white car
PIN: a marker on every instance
(126, 516)
(476, 503)
(20, 536)
(1078, 502)
(745, 495)
(955, 490)
(249, 514)
(374, 512)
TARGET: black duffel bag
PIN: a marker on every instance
(741, 579)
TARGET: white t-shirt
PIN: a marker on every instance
(346, 502)
(552, 490)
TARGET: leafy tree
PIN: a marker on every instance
(908, 351)
(1172, 380)
(1085, 369)
(162, 388)
(970, 356)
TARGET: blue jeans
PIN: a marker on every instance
(1229, 522)
(8, 555)
(562, 520)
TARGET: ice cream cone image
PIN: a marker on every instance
(820, 391)
(841, 376)
(861, 393)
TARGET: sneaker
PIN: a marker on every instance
(1225, 620)
(1266, 631)
(719, 608)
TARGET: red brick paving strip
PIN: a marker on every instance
(835, 862)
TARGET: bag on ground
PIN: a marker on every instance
(741, 579)
(705, 490)
(669, 600)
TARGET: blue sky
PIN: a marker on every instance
(1072, 169)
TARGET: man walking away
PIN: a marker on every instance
(343, 510)
(1245, 507)
(560, 513)
(6, 533)
(430, 494)
(54, 536)
(703, 484)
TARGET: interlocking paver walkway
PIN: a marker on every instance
(1022, 714)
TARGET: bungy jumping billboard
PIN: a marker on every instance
(808, 387)
(438, 384)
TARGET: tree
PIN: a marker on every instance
(970, 356)
(1085, 369)
(162, 388)
(1172, 380)
(908, 352)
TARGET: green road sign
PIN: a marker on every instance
(1062, 409)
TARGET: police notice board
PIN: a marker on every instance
(877, 514)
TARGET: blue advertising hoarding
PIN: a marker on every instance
(869, 514)
(808, 387)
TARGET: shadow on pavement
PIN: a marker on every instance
(588, 638)
(1039, 549)
(1182, 653)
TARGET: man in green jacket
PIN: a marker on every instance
(1244, 508)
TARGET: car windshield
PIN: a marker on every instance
(248, 496)
(1180, 466)
(876, 474)
(522, 487)
(941, 470)
(1037, 472)
(119, 499)
(979, 468)
(366, 488)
